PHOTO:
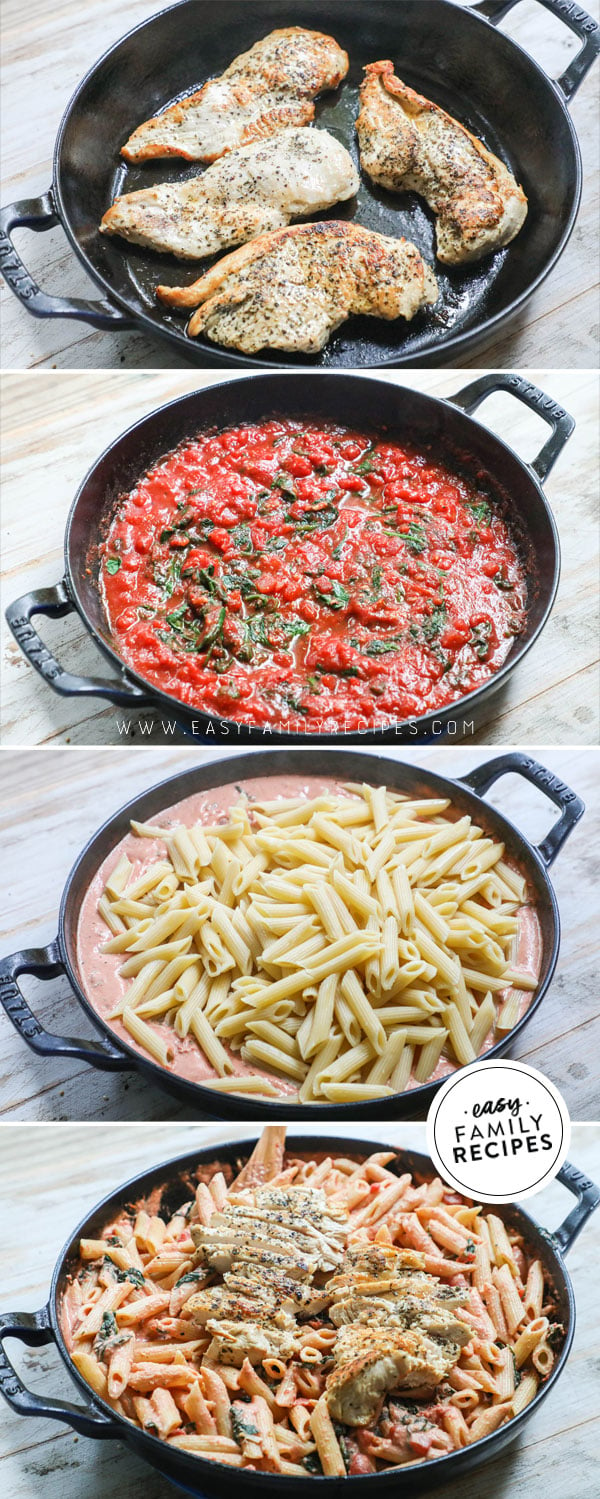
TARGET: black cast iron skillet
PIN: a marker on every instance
(195, 1474)
(452, 55)
(361, 401)
(114, 1054)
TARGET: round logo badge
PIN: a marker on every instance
(498, 1131)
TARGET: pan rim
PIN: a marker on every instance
(204, 353)
(209, 1097)
(460, 707)
(158, 1444)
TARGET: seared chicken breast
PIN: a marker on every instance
(250, 191)
(264, 90)
(372, 1360)
(407, 143)
(395, 1331)
(290, 1223)
(291, 289)
(402, 1312)
(234, 1342)
(267, 1249)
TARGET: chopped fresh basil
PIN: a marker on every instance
(433, 624)
(383, 647)
(135, 1276)
(283, 483)
(177, 619)
(337, 550)
(242, 1425)
(366, 464)
(480, 638)
(312, 1463)
(317, 520)
(337, 598)
(112, 564)
(242, 537)
(480, 511)
(501, 581)
(415, 538)
(108, 1327)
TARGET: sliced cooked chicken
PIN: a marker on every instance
(252, 190)
(373, 1269)
(291, 1223)
(291, 1295)
(292, 288)
(220, 1244)
(396, 1332)
(407, 143)
(372, 1360)
(402, 1312)
(263, 90)
(233, 1342)
(225, 1301)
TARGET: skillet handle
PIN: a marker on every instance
(578, 21)
(46, 963)
(472, 395)
(35, 1329)
(55, 602)
(588, 1198)
(39, 214)
(516, 763)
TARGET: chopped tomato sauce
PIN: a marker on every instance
(301, 575)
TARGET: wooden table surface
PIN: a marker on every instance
(54, 427)
(49, 1178)
(47, 50)
(48, 815)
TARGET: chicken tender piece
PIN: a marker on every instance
(250, 191)
(292, 288)
(407, 143)
(268, 88)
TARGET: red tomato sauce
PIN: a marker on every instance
(303, 575)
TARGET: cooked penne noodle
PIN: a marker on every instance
(289, 921)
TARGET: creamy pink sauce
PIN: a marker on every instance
(99, 972)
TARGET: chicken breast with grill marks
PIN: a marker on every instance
(291, 289)
(373, 1360)
(271, 86)
(407, 143)
(250, 191)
